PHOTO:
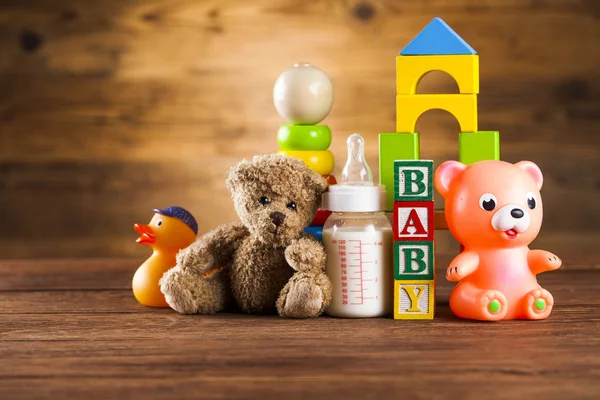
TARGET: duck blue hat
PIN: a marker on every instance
(181, 214)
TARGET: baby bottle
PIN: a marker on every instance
(358, 240)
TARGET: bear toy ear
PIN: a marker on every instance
(316, 183)
(238, 174)
(446, 174)
(532, 170)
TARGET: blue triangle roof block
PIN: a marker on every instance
(438, 39)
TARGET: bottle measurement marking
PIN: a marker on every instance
(358, 259)
(358, 253)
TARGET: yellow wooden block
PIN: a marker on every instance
(321, 162)
(414, 299)
(463, 68)
(409, 108)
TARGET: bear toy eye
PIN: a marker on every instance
(487, 202)
(264, 200)
(291, 205)
(531, 203)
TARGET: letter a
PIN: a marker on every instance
(414, 221)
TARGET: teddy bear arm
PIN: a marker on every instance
(306, 254)
(541, 261)
(462, 266)
(215, 249)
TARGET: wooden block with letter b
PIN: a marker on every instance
(413, 180)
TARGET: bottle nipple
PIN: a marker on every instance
(356, 171)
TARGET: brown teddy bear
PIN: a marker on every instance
(265, 262)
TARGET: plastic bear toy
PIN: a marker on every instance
(494, 209)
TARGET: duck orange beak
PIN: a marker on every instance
(147, 235)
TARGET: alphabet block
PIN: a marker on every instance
(414, 299)
(414, 260)
(395, 146)
(413, 180)
(413, 220)
(477, 146)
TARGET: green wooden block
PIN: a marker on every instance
(413, 180)
(478, 146)
(414, 260)
(392, 147)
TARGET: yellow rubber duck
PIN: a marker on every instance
(170, 230)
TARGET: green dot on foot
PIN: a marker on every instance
(540, 304)
(494, 306)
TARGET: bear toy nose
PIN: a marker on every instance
(517, 213)
(277, 218)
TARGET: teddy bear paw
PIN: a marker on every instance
(189, 293)
(538, 304)
(493, 305)
(300, 299)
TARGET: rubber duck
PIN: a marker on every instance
(170, 230)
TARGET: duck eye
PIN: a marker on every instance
(264, 200)
(291, 205)
(159, 222)
(531, 203)
(487, 202)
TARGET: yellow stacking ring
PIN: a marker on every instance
(321, 162)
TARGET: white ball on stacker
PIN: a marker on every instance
(303, 94)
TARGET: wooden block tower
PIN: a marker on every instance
(413, 225)
(408, 180)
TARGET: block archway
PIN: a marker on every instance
(410, 107)
(464, 69)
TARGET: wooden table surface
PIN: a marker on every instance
(72, 329)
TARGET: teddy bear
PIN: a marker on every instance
(265, 262)
(494, 209)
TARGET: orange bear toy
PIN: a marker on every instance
(494, 209)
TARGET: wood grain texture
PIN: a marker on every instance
(72, 329)
(109, 108)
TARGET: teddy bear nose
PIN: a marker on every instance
(517, 213)
(277, 218)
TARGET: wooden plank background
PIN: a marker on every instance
(109, 108)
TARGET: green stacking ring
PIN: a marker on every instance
(304, 137)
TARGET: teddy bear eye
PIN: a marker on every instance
(264, 200)
(531, 203)
(291, 205)
(487, 202)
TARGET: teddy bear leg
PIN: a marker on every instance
(306, 295)
(470, 302)
(537, 304)
(188, 292)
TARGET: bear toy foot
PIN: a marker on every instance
(493, 305)
(538, 304)
(304, 296)
(189, 293)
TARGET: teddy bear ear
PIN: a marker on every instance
(240, 172)
(446, 174)
(534, 171)
(316, 183)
